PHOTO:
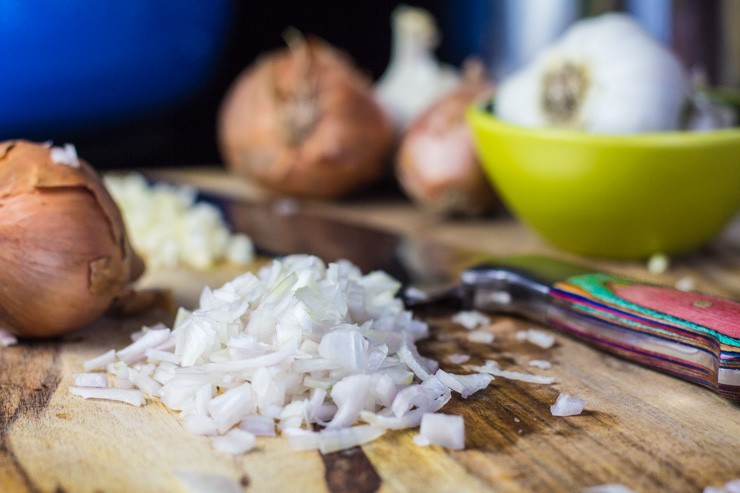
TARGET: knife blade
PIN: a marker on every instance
(692, 336)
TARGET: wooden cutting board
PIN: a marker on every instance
(643, 429)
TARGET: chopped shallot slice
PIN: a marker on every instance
(198, 482)
(343, 438)
(458, 359)
(7, 339)
(235, 441)
(130, 396)
(90, 380)
(492, 368)
(465, 385)
(350, 394)
(261, 426)
(65, 155)
(137, 349)
(608, 488)
(430, 396)
(481, 336)
(409, 420)
(301, 439)
(100, 362)
(441, 429)
(230, 407)
(732, 486)
(471, 319)
(541, 364)
(200, 424)
(422, 367)
(536, 337)
(567, 405)
(153, 354)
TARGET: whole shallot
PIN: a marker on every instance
(65, 257)
(437, 164)
(304, 122)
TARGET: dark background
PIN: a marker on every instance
(184, 134)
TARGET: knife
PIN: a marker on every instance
(689, 335)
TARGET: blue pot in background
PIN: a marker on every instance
(73, 63)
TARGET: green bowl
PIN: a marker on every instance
(615, 196)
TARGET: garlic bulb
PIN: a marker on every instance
(65, 255)
(605, 75)
(414, 78)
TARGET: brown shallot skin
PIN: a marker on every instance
(64, 253)
(437, 164)
(304, 122)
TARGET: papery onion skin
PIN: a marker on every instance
(64, 253)
(304, 122)
(437, 164)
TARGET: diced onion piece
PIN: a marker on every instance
(198, 482)
(658, 263)
(261, 426)
(137, 350)
(159, 356)
(351, 395)
(429, 396)
(200, 424)
(90, 380)
(66, 155)
(339, 439)
(442, 429)
(458, 359)
(422, 367)
(145, 382)
(465, 385)
(541, 364)
(481, 336)
(732, 486)
(608, 488)
(7, 339)
(410, 419)
(100, 362)
(471, 319)
(130, 396)
(536, 337)
(229, 408)
(235, 442)
(567, 405)
(492, 368)
(686, 284)
(301, 439)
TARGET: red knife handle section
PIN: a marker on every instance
(693, 336)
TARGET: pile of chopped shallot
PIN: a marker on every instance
(170, 228)
(321, 354)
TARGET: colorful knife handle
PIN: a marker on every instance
(693, 336)
(690, 335)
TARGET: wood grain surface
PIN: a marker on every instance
(640, 428)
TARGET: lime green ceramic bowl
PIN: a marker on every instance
(613, 196)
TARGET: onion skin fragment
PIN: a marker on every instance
(303, 122)
(65, 257)
(437, 165)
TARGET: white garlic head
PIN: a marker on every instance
(604, 75)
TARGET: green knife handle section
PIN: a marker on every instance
(690, 335)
